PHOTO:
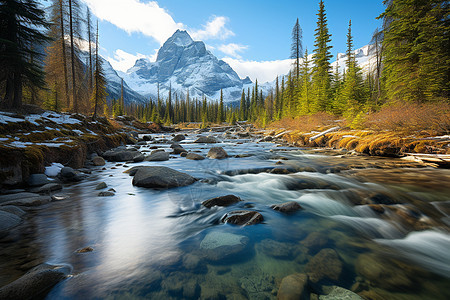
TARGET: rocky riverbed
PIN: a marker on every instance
(227, 214)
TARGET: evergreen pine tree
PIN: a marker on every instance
(242, 107)
(321, 58)
(220, 112)
(21, 23)
(296, 48)
(416, 52)
(99, 94)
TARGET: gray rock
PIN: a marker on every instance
(12, 197)
(177, 149)
(105, 194)
(7, 222)
(158, 156)
(276, 249)
(120, 155)
(101, 185)
(243, 217)
(147, 138)
(206, 140)
(217, 245)
(47, 188)
(98, 161)
(293, 287)
(13, 210)
(217, 153)
(36, 283)
(67, 172)
(37, 180)
(339, 293)
(183, 154)
(161, 177)
(287, 207)
(178, 138)
(32, 201)
(156, 151)
(221, 201)
(139, 158)
(194, 156)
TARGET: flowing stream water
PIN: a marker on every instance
(387, 225)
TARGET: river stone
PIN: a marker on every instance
(67, 172)
(287, 207)
(47, 188)
(101, 185)
(325, 265)
(194, 156)
(158, 156)
(139, 158)
(315, 241)
(98, 161)
(177, 149)
(37, 180)
(243, 217)
(217, 153)
(339, 293)
(120, 155)
(178, 138)
(147, 138)
(17, 196)
(221, 201)
(382, 273)
(218, 245)
(106, 194)
(7, 222)
(293, 287)
(206, 140)
(161, 177)
(31, 201)
(36, 283)
(13, 210)
(276, 249)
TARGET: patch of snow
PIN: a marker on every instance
(3, 139)
(6, 119)
(53, 170)
(18, 144)
(77, 131)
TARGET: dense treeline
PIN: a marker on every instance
(411, 65)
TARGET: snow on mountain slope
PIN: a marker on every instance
(183, 64)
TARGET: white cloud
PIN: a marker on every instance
(136, 16)
(214, 29)
(264, 71)
(233, 49)
(122, 60)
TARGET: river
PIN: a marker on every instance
(371, 225)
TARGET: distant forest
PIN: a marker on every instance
(411, 52)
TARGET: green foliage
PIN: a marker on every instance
(416, 50)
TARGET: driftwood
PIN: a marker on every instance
(323, 133)
(442, 160)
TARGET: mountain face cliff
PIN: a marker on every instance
(183, 64)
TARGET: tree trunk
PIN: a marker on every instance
(72, 56)
(63, 56)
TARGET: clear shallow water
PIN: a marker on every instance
(151, 243)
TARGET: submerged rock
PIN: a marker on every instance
(315, 241)
(243, 217)
(325, 265)
(161, 177)
(36, 283)
(219, 245)
(106, 194)
(339, 293)
(221, 201)
(293, 287)
(217, 153)
(287, 207)
(277, 249)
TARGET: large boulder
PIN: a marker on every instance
(161, 177)
(221, 201)
(177, 148)
(36, 283)
(98, 161)
(217, 153)
(325, 265)
(194, 156)
(243, 217)
(119, 154)
(7, 222)
(37, 180)
(178, 138)
(293, 287)
(287, 207)
(206, 140)
(158, 156)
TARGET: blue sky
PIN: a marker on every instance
(254, 37)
